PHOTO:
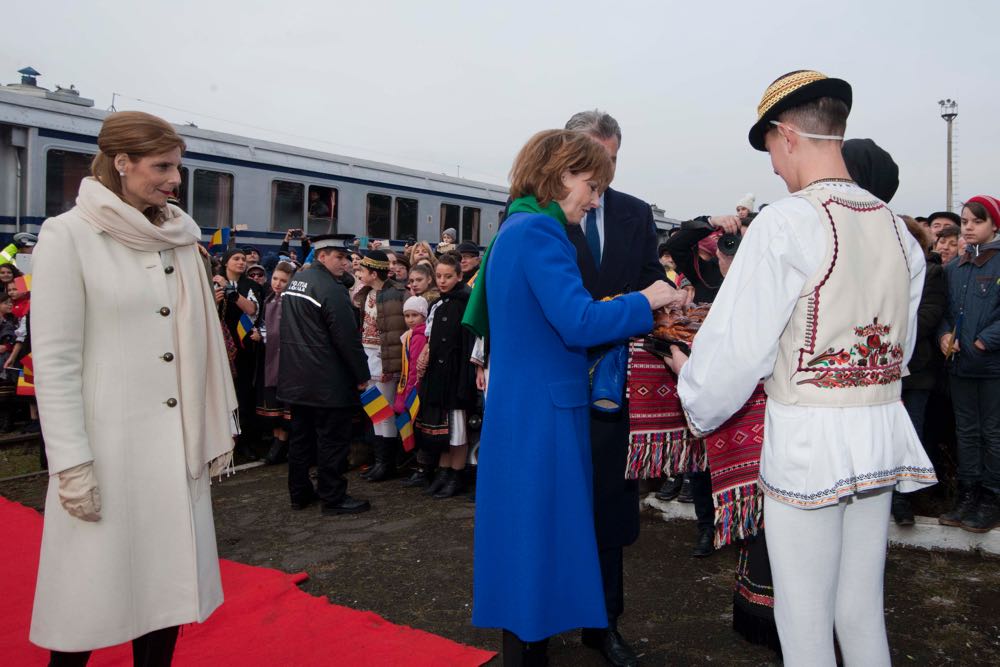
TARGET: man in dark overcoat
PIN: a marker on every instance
(616, 253)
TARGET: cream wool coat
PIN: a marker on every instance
(102, 319)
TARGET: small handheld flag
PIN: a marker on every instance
(25, 384)
(23, 283)
(220, 238)
(413, 405)
(405, 428)
(375, 405)
(244, 326)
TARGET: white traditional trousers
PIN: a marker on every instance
(828, 566)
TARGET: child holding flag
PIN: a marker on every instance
(407, 403)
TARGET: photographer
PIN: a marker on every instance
(284, 252)
(695, 250)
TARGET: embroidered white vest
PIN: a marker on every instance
(843, 345)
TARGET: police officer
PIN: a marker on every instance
(323, 371)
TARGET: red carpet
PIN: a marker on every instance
(265, 621)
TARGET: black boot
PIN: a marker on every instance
(452, 486)
(704, 546)
(385, 460)
(986, 515)
(439, 480)
(517, 653)
(686, 494)
(611, 645)
(902, 513)
(420, 478)
(278, 452)
(965, 505)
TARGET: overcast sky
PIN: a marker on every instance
(436, 84)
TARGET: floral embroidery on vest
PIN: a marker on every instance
(874, 360)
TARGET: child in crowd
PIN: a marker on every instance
(448, 388)
(268, 407)
(414, 341)
(970, 339)
(421, 283)
(380, 301)
(20, 308)
(947, 244)
(448, 238)
(8, 379)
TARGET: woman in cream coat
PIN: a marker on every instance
(136, 402)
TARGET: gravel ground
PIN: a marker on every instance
(410, 560)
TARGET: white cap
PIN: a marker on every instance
(746, 202)
(416, 304)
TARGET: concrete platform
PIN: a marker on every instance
(926, 534)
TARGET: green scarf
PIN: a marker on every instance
(477, 317)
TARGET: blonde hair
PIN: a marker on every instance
(430, 252)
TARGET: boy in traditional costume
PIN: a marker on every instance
(821, 302)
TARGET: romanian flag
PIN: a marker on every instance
(244, 326)
(413, 405)
(220, 238)
(23, 283)
(26, 380)
(8, 254)
(376, 407)
(28, 364)
(405, 427)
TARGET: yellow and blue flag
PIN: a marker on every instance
(413, 405)
(244, 326)
(405, 428)
(220, 238)
(375, 405)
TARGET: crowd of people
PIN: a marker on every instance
(296, 354)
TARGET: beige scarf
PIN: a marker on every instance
(207, 398)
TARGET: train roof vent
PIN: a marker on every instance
(29, 86)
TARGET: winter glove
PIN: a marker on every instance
(78, 492)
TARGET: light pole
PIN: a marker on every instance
(949, 111)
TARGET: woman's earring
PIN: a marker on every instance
(121, 173)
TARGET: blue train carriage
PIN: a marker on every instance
(259, 188)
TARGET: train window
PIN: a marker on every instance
(450, 217)
(213, 198)
(63, 172)
(470, 224)
(406, 217)
(322, 210)
(379, 210)
(183, 189)
(287, 205)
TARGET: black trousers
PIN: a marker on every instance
(155, 649)
(323, 434)
(701, 490)
(613, 578)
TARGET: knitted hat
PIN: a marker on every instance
(450, 232)
(746, 202)
(229, 255)
(415, 304)
(992, 206)
(793, 90)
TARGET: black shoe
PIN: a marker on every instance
(420, 478)
(704, 547)
(986, 516)
(348, 505)
(517, 653)
(452, 486)
(671, 488)
(902, 513)
(385, 460)
(611, 645)
(686, 495)
(299, 505)
(965, 505)
(440, 477)
(278, 452)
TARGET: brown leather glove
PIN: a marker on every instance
(78, 492)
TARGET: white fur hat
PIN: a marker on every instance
(746, 202)
(416, 304)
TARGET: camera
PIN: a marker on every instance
(729, 244)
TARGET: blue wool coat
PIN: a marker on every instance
(536, 567)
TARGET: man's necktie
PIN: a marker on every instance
(593, 238)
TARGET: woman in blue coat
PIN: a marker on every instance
(536, 568)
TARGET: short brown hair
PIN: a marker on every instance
(978, 210)
(135, 133)
(539, 166)
(824, 115)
